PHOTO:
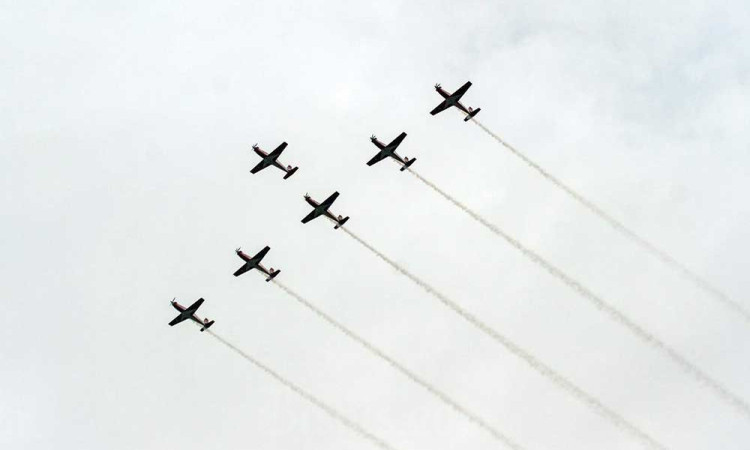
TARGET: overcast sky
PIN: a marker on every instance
(126, 129)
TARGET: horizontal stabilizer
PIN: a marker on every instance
(472, 114)
(207, 325)
(408, 163)
(290, 172)
(341, 222)
(273, 274)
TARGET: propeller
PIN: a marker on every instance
(437, 86)
(238, 249)
(255, 145)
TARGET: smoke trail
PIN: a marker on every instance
(307, 396)
(536, 364)
(599, 302)
(619, 226)
(406, 372)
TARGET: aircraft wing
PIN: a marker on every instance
(440, 108)
(396, 142)
(275, 154)
(242, 270)
(461, 91)
(258, 167)
(310, 216)
(329, 201)
(259, 256)
(194, 307)
(177, 320)
(377, 158)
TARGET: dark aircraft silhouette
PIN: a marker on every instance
(453, 100)
(321, 209)
(271, 159)
(390, 150)
(254, 263)
(189, 313)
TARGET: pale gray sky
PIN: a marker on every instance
(126, 133)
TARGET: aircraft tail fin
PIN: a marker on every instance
(290, 172)
(273, 274)
(408, 163)
(340, 222)
(206, 324)
(472, 113)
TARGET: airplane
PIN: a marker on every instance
(271, 159)
(390, 150)
(322, 209)
(453, 100)
(189, 313)
(254, 263)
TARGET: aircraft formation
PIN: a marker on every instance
(320, 208)
(389, 150)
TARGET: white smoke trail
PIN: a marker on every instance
(406, 372)
(688, 367)
(536, 364)
(307, 396)
(619, 226)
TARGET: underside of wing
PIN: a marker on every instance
(258, 167)
(242, 270)
(377, 158)
(177, 320)
(329, 201)
(396, 142)
(194, 307)
(261, 254)
(310, 216)
(440, 108)
(461, 91)
(275, 154)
